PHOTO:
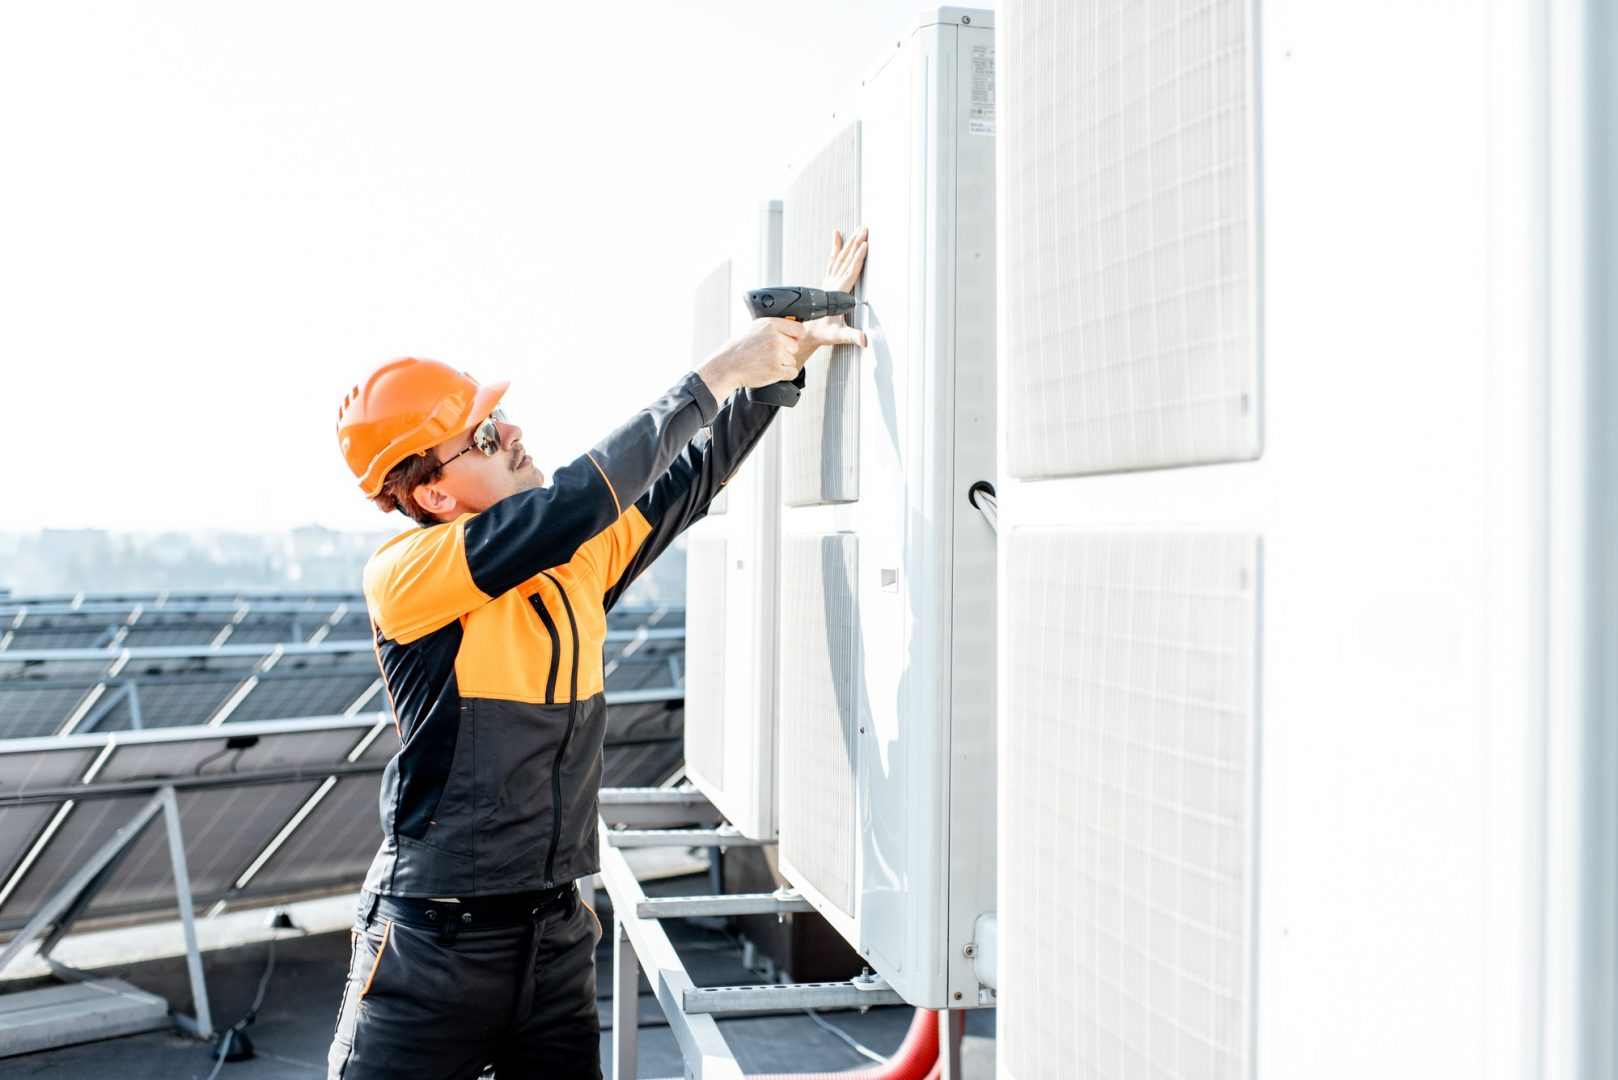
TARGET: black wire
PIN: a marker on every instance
(252, 1011)
(234, 762)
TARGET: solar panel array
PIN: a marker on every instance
(146, 689)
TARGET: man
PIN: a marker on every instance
(471, 946)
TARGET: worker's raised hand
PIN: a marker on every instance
(766, 352)
(842, 274)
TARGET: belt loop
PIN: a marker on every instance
(570, 901)
(368, 903)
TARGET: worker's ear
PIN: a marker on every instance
(435, 500)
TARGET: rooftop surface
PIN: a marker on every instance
(293, 1026)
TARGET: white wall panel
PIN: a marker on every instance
(1129, 738)
(1132, 270)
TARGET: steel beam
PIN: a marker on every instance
(716, 1000)
(680, 907)
(707, 1055)
(724, 836)
(644, 808)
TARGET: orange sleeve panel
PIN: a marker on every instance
(609, 553)
(419, 582)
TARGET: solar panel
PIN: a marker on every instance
(20, 826)
(29, 709)
(70, 637)
(308, 829)
(337, 836)
(283, 694)
(180, 701)
(235, 790)
(224, 829)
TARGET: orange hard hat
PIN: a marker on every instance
(408, 406)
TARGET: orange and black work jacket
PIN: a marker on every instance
(489, 630)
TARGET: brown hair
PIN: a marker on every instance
(402, 479)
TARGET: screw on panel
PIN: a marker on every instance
(957, 995)
(970, 950)
(966, 20)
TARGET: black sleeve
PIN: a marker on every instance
(680, 497)
(535, 530)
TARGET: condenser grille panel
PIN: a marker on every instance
(1129, 740)
(820, 435)
(820, 704)
(705, 658)
(1131, 235)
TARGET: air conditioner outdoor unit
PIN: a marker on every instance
(1130, 620)
(888, 580)
(1298, 709)
(731, 577)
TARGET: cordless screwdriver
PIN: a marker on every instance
(799, 304)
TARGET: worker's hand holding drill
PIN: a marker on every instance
(774, 350)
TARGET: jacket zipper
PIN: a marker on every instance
(556, 646)
(567, 735)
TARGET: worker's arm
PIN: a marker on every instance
(681, 496)
(430, 578)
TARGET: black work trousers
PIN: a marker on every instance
(431, 1004)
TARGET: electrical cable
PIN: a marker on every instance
(859, 1048)
(240, 1026)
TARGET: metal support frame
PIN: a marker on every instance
(642, 808)
(707, 1055)
(68, 903)
(780, 902)
(777, 997)
(640, 944)
(951, 1029)
(723, 836)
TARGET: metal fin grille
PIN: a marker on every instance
(1131, 235)
(820, 435)
(705, 658)
(1129, 742)
(820, 693)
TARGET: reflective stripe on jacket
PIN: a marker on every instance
(489, 631)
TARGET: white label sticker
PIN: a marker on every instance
(980, 118)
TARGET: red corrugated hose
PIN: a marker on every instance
(916, 1058)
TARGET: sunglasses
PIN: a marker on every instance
(485, 437)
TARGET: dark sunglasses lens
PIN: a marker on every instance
(487, 436)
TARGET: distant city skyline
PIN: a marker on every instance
(68, 561)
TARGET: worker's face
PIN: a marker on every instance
(473, 481)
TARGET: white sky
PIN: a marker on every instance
(215, 217)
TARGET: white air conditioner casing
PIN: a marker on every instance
(732, 577)
(888, 593)
(1129, 697)
(1303, 682)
